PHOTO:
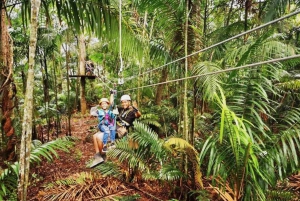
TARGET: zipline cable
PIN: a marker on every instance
(120, 74)
(220, 43)
(218, 72)
(104, 83)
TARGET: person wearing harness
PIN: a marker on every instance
(124, 120)
(106, 123)
(126, 115)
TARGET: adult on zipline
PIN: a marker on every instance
(127, 113)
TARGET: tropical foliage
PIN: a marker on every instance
(204, 117)
(40, 152)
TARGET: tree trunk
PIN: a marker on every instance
(67, 52)
(185, 101)
(28, 106)
(160, 88)
(7, 87)
(82, 55)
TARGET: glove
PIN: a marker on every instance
(134, 106)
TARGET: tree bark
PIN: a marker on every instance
(7, 87)
(160, 88)
(82, 55)
(28, 106)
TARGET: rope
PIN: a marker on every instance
(218, 72)
(217, 44)
(105, 83)
(120, 79)
(13, 4)
(120, 35)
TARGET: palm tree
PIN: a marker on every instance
(243, 157)
(77, 12)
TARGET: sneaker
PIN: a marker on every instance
(97, 155)
(104, 148)
(97, 161)
(103, 156)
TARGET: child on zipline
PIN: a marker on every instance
(106, 123)
(127, 114)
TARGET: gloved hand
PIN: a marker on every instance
(134, 105)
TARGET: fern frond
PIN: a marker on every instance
(112, 169)
(150, 119)
(170, 173)
(47, 150)
(210, 82)
(285, 152)
(9, 177)
(123, 152)
(83, 185)
(293, 85)
(140, 150)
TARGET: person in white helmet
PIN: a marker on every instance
(127, 114)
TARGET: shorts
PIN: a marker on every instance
(99, 135)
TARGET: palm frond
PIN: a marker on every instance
(8, 180)
(113, 169)
(170, 173)
(143, 151)
(293, 85)
(285, 152)
(83, 185)
(209, 83)
(280, 195)
(9, 177)
(48, 149)
(150, 119)
(233, 158)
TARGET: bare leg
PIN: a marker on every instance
(98, 144)
(95, 143)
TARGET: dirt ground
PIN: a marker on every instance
(69, 165)
(74, 163)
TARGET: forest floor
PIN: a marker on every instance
(71, 165)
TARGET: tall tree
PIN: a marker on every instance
(82, 55)
(28, 105)
(7, 87)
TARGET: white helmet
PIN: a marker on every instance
(103, 100)
(125, 98)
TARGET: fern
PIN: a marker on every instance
(293, 85)
(84, 185)
(210, 82)
(142, 152)
(48, 149)
(150, 119)
(280, 195)
(9, 177)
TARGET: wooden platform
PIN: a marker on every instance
(86, 76)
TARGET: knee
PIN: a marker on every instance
(106, 130)
(94, 137)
